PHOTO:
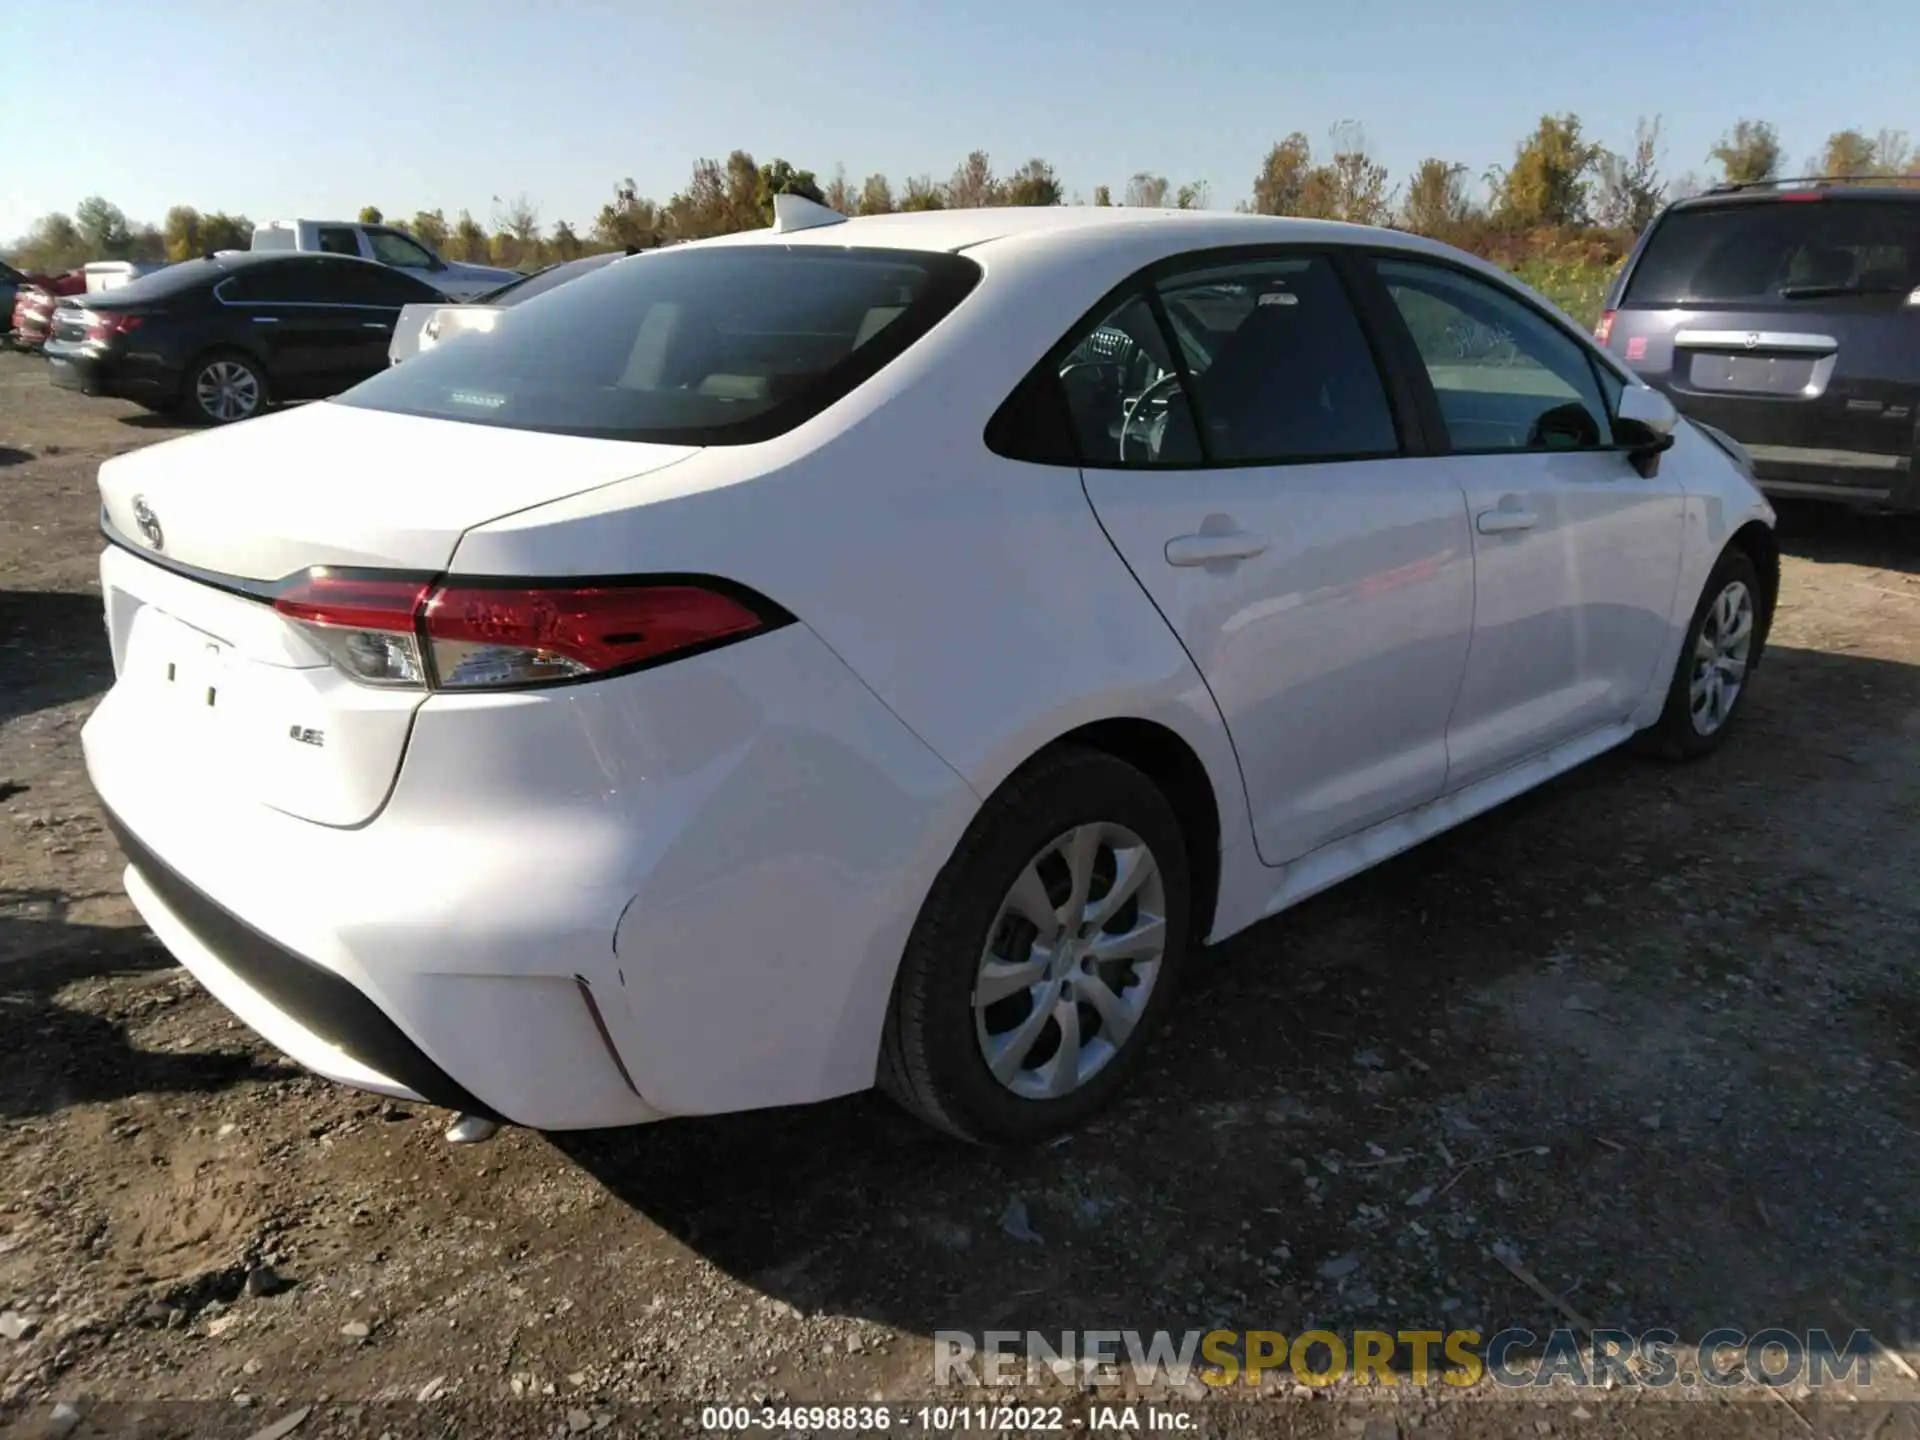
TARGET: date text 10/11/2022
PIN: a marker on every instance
(943, 1419)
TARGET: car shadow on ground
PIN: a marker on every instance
(158, 420)
(53, 649)
(77, 1056)
(1578, 1025)
(1834, 533)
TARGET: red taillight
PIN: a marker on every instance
(367, 624)
(105, 327)
(487, 637)
(374, 626)
(1604, 329)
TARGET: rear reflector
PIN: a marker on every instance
(1605, 328)
(393, 630)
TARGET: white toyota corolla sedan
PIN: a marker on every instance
(882, 650)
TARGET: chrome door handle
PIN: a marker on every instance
(1210, 549)
(266, 319)
(375, 325)
(1505, 522)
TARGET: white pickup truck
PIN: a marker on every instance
(386, 245)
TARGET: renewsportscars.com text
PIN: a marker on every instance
(1512, 1359)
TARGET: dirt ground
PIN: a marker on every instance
(1652, 1028)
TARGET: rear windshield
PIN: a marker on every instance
(1779, 250)
(697, 346)
(168, 280)
(541, 281)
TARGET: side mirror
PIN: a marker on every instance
(1645, 427)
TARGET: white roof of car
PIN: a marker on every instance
(964, 229)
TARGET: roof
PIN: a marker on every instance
(1770, 192)
(964, 229)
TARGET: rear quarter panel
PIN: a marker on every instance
(976, 596)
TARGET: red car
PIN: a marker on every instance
(33, 305)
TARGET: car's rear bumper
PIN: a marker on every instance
(1852, 476)
(682, 891)
(89, 370)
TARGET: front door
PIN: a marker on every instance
(1248, 463)
(1577, 556)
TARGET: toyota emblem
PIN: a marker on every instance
(148, 522)
(1753, 342)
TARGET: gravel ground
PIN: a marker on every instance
(1649, 1031)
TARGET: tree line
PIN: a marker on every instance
(1561, 188)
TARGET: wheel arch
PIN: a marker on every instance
(1172, 764)
(1757, 541)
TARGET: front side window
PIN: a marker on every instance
(390, 247)
(338, 240)
(1505, 376)
(720, 346)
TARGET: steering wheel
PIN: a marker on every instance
(1158, 390)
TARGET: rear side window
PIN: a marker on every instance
(1778, 250)
(721, 346)
(1260, 362)
(278, 281)
(338, 240)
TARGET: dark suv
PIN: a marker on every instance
(1788, 315)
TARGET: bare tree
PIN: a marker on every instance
(973, 184)
(1630, 190)
(1197, 195)
(1147, 191)
(1358, 182)
(876, 195)
(839, 194)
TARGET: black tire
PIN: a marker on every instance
(931, 1056)
(1676, 736)
(189, 402)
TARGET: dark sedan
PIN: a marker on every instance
(221, 338)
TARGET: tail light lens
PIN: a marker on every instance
(1604, 329)
(410, 632)
(105, 327)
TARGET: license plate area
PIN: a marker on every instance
(1785, 375)
(195, 680)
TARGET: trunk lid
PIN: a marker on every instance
(340, 485)
(216, 690)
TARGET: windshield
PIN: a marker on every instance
(699, 346)
(1778, 249)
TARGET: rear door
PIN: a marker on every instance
(1787, 321)
(286, 307)
(1258, 476)
(1576, 555)
(375, 295)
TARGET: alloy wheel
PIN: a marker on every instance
(227, 390)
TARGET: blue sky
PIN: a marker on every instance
(318, 109)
